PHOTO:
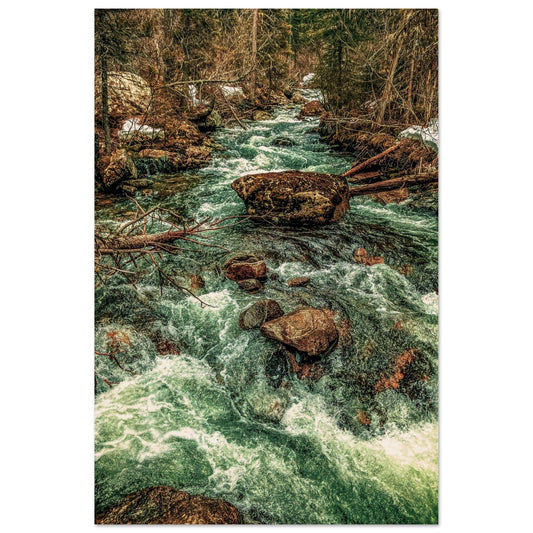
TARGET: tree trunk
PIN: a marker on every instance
(387, 91)
(105, 105)
(395, 183)
(254, 53)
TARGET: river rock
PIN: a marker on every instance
(282, 141)
(250, 285)
(294, 197)
(262, 115)
(245, 267)
(166, 505)
(299, 282)
(120, 168)
(313, 108)
(258, 313)
(308, 330)
(297, 98)
(128, 94)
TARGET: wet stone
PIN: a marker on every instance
(299, 282)
(245, 267)
(250, 285)
(258, 313)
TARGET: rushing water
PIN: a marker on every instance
(214, 420)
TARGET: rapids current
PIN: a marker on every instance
(214, 420)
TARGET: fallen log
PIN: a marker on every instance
(364, 176)
(377, 157)
(395, 183)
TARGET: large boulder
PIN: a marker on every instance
(166, 505)
(314, 108)
(260, 312)
(120, 168)
(293, 197)
(308, 330)
(128, 94)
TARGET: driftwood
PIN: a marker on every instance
(377, 157)
(396, 183)
(120, 250)
(364, 176)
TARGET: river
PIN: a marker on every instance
(209, 420)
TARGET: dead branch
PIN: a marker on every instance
(377, 157)
(120, 249)
(395, 183)
(232, 110)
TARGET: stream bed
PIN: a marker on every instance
(225, 417)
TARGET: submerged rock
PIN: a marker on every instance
(299, 282)
(166, 505)
(141, 183)
(294, 197)
(262, 115)
(120, 168)
(245, 267)
(308, 330)
(250, 285)
(282, 141)
(313, 108)
(258, 313)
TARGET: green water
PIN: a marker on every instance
(210, 421)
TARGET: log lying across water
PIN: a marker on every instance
(374, 159)
(396, 183)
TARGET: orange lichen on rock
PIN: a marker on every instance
(362, 258)
(393, 380)
(364, 417)
(117, 339)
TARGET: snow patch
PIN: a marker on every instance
(231, 91)
(429, 136)
(133, 125)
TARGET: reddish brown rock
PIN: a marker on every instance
(260, 312)
(246, 266)
(293, 197)
(166, 505)
(313, 108)
(310, 331)
(362, 258)
(393, 379)
(299, 282)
